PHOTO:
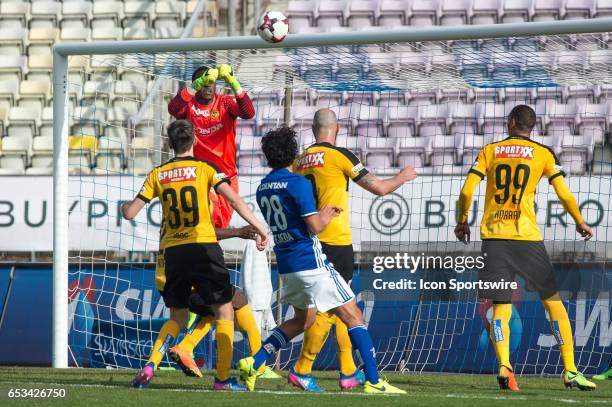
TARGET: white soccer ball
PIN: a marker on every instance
(273, 26)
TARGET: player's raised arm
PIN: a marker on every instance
(244, 211)
(380, 187)
(179, 105)
(241, 107)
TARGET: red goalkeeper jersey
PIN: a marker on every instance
(215, 125)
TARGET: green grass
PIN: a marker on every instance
(87, 387)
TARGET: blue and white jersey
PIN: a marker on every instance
(285, 199)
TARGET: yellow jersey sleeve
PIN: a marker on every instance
(214, 175)
(480, 166)
(552, 167)
(150, 188)
(351, 166)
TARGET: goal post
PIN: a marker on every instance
(62, 52)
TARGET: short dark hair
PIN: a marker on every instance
(180, 136)
(524, 117)
(280, 147)
(198, 72)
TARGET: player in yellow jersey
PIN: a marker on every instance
(329, 169)
(511, 238)
(193, 258)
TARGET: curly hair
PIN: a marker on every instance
(180, 136)
(280, 147)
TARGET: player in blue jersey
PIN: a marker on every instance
(310, 282)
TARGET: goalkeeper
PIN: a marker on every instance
(214, 117)
(511, 240)
(182, 354)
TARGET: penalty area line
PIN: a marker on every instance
(567, 401)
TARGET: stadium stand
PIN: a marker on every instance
(428, 129)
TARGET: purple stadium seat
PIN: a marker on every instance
(355, 144)
(548, 10)
(604, 8)
(301, 13)
(443, 151)
(593, 119)
(402, 121)
(518, 95)
(576, 152)
(393, 12)
(380, 153)
(471, 146)
(465, 117)
(370, 121)
(362, 13)
(576, 9)
(493, 119)
(486, 11)
(516, 11)
(560, 119)
(434, 116)
(455, 12)
(332, 13)
(579, 94)
(412, 151)
(424, 13)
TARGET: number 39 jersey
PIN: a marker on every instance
(285, 199)
(513, 168)
(182, 186)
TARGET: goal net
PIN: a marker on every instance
(432, 105)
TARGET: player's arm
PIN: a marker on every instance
(242, 106)
(317, 222)
(244, 211)
(571, 206)
(556, 177)
(380, 187)
(475, 175)
(130, 210)
(245, 232)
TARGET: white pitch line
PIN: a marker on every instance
(568, 401)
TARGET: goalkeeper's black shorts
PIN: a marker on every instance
(343, 259)
(197, 267)
(504, 259)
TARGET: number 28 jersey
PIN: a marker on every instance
(513, 168)
(285, 199)
(182, 186)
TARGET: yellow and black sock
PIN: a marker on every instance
(225, 348)
(500, 333)
(164, 341)
(314, 339)
(562, 329)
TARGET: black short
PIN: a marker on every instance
(343, 259)
(504, 259)
(197, 265)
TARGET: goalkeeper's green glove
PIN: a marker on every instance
(226, 72)
(209, 77)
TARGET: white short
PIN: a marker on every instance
(322, 288)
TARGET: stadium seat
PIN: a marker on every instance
(576, 9)
(34, 92)
(516, 11)
(12, 67)
(270, 117)
(544, 10)
(76, 14)
(107, 33)
(603, 9)
(106, 14)
(560, 117)
(169, 10)
(302, 117)
(465, 117)
(45, 14)
(424, 13)
(486, 11)
(576, 152)
(380, 153)
(97, 93)
(362, 13)
(13, 41)
(402, 121)
(331, 13)
(301, 13)
(131, 33)
(71, 34)
(9, 91)
(413, 151)
(436, 117)
(138, 12)
(14, 14)
(455, 12)
(328, 98)
(168, 32)
(354, 144)
(393, 12)
(46, 124)
(14, 152)
(595, 117)
(369, 121)
(27, 117)
(602, 160)
(42, 152)
(42, 64)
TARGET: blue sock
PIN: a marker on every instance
(275, 342)
(360, 338)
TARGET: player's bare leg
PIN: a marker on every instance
(351, 315)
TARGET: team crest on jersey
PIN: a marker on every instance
(514, 151)
(214, 114)
(203, 113)
(179, 174)
(310, 160)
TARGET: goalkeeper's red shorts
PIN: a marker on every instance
(222, 210)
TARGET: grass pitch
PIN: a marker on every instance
(93, 387)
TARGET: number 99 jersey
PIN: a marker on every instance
(513, 168)
(285, 199)
(182, 185)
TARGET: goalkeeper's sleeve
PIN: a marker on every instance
(465, 197)
(567, 199)
(179, 105)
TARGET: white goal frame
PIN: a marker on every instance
(61, 53)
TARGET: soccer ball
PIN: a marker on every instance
(273, 26)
